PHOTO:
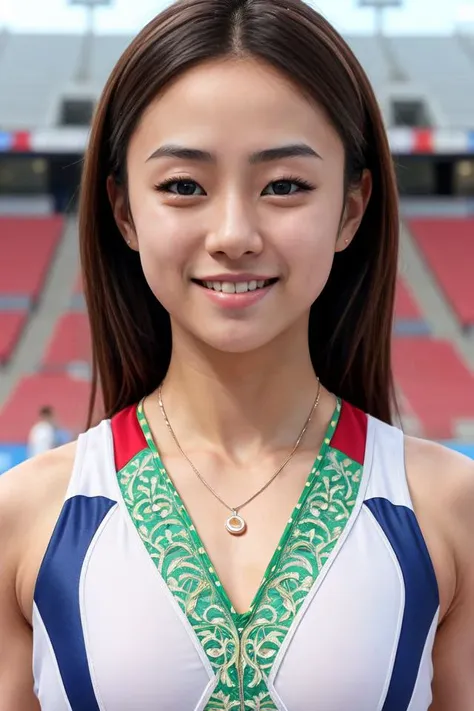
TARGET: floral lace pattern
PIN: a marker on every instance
(240, 648)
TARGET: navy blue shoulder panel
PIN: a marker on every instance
(57, 594)
(403, 532)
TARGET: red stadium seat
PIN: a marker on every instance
(405, 305)
(28, 245)
(11, 327)
(409, 321)
(68, 397)
(70, 342)
(436, 383)
(448, 247)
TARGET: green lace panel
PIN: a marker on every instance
(312, 540)
(240, 648)
(172, 546)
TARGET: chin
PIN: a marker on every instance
(237, 343)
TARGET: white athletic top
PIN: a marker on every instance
(111, 632)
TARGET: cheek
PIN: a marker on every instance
(165, 248)
(163, 237)
(157, 226)
(308, 241)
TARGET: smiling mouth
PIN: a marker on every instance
(239, 287)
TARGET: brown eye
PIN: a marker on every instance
(185, 188)
(284, 188)
(182, 187)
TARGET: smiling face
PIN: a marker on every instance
(236, 189)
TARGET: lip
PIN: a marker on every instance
(235, 278)
(235, 301)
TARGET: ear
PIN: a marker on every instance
(119, 205)
(356, 205)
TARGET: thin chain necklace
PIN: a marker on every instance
(235, 524)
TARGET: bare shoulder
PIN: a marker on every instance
(442, 486)
(445, 480)
(24, 488)
(31, 497)
(441, 483)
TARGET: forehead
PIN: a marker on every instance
(233, 104)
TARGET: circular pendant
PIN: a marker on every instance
(235, 524)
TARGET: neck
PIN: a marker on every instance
(241, 403)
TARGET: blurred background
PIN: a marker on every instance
(54, 59)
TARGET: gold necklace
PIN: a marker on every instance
(235, 524)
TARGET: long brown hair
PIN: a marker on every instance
(351, 322)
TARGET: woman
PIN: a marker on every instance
(237, 533)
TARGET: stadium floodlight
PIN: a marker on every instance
(380, 3)
(465, 20)
(83, 69)
(90, 3)
(379, 7)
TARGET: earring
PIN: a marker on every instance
(346, 241)
(129, 242)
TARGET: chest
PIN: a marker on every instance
(343, 617)
(240, 561)
(329, 631)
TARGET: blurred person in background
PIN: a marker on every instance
(46, 433)
(245, 529)
(43, 435)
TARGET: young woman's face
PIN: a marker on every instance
(236, 190)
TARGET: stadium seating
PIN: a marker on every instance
(11, 327)
(33, 67)
(68, 397)
(30, 70)
(373, 58)
(70, 343)
(441, 67)
(408, 318)
(405, 305)
(29, 245)
(448, 248)
(436, 383)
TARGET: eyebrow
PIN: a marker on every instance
(295, 150)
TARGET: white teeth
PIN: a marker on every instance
(228, 287)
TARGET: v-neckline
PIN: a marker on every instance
(240, 619)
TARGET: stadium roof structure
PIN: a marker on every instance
(38, 71)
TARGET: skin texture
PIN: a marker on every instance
(240, 384)
(236, 226)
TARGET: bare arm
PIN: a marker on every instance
(453, 687)
(16, 678)
(31, 497)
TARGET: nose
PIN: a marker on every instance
(235, 231)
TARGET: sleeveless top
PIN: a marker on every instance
(129, 613)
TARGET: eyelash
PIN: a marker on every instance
(303, 185)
